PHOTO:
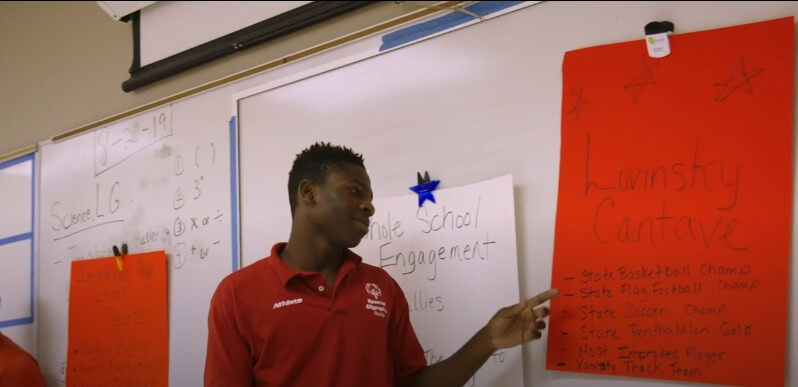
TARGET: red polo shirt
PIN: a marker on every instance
(271, 325)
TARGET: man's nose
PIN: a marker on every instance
(368, 207)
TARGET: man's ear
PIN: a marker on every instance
(307, 192)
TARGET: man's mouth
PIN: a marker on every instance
(363, 223)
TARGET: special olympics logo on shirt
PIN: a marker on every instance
(379, 308)
(373, 290)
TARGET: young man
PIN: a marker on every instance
(297, 318)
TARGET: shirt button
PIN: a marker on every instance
(321, 288)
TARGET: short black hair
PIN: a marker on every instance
(314, 162)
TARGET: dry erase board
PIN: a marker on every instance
(467, 105)
(17, 279)
(159, 180)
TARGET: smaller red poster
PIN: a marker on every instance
(118, 324)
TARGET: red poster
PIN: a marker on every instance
(118, 326)
(672, 237)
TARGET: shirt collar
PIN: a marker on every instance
(286, 273)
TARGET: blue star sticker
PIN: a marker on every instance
(424, 189)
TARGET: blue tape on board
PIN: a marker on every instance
(234, 188)
(421, 30)
(28, 235)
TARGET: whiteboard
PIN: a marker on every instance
(17, 298)
(467, 105)
(159, 180)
